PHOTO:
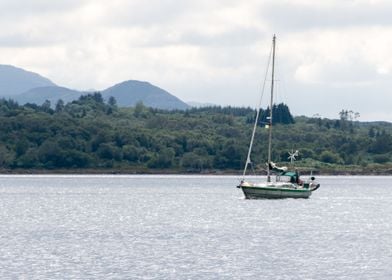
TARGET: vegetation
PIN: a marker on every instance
(90, 135)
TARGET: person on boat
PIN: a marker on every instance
(297, 176)
(294, 177)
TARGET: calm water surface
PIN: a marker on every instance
(191, 227)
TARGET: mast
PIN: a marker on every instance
(270, 116)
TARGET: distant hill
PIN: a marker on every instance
(28, 87)
(15, 80)
(129, 93)
(38, 95)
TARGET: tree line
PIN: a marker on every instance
(91, 133)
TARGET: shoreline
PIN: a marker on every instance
(122, 171)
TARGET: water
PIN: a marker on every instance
(191, 227)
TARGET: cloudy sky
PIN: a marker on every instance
(331, 54)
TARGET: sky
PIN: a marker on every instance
(331, 54)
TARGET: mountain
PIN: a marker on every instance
(28, 87)
(38, 95)
(129, 93)
(15, 80)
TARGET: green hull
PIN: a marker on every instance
(260, 192)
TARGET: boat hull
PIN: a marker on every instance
(258, 192)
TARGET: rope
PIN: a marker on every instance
(248, 161)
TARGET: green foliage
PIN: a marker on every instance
(382, 158)
(59, 106)
(330, 157)
(382, 143)
(280, 114)
(89, 133)
(163, 159)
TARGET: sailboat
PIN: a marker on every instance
(286, 184)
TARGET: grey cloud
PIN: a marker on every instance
(232, 37)
(138, 13)
(329, 100)
(39, 23)
(20, 41)
(17, 8)
(235, 37)
(290, 16)
(351, 73)
(228, 58)
(36, 36)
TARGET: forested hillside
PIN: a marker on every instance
(89, 135)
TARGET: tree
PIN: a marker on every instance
(97, 97)
(381, 158)
(330, 157)
(28, 159)
(50, 154)
(280, 114)
(139, 109)
(192, 161)
(6, 156)
(112, 101)
(382, 144)
(230, 156)
(131, 153)
(21, 146)
(109, 151)
(46, 107)
(59, 106)
(372, 132)
(163, 159)
(347, 117)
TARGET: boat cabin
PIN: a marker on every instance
(289, 176)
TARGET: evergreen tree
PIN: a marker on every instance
(59, 106)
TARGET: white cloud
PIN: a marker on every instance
(208, 51)
(344, 58)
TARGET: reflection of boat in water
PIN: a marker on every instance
(287, 184)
